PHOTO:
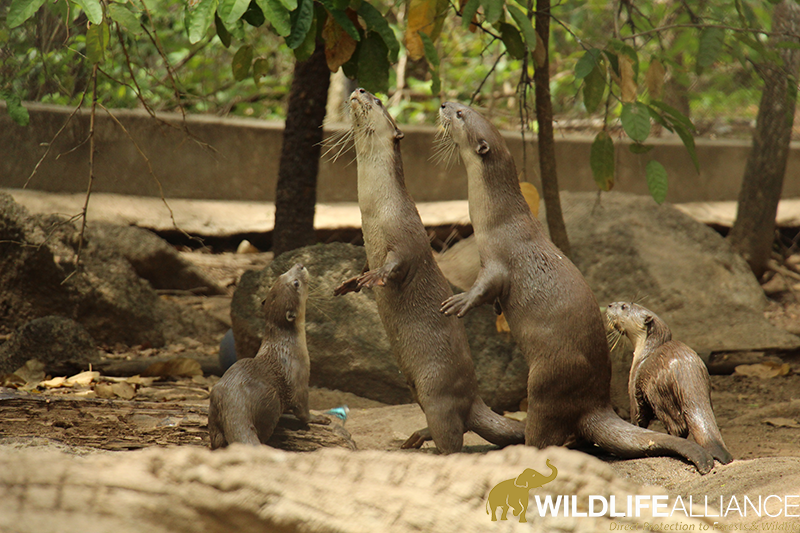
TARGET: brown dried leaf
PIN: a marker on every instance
(82, 380)
(123, 390)
(782, 422)
(654, 79)
(339, 46)
(55, 383)
(765, 370)
(178, 367)
(627, 83)
(104, 390)
(422, 17)
(32, 371)
(11, 380)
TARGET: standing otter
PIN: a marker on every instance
(668, 380)
(253, 393)
(550, 308)
(431, 349)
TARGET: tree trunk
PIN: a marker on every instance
(547, 151)
(753, 231)
(296, 192)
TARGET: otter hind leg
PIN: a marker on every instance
(703, 429)
(610, 432)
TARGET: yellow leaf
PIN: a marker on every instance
(426, 16)
(627, 83)
(502, 324)
(531, 196)
(654, 79)
(339, 46)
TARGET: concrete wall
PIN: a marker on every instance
(243, 161)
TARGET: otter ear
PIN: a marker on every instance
(482, 148)
(648, 319)
(291, 316)
(398, 134)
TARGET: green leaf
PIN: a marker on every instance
(260, 69)
(254, 15)
(222, 32)
(350, 68)
(656, 181)
(688, 142)
(512, 40)
(524, 24)
(637, 148)
(659, 118)
(594, 86)
(636, 121)
(290, 5)
(242, 60)
(306, 48)
(430, 50)
(231, 11)
(96, 42)
(602, 161)
(15, 109)
(711, 41)
(344, 21)
(277, 15)
(674, 114)
(492, 10)
(468, 13)
(373, 65)
(301, 18)
(375, 22)
(22, 10)
(587, 63)
(93, 10)
(198, 19)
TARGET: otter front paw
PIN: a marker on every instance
(417, 439)
(351, 285)
(458, 304)
(372, 278)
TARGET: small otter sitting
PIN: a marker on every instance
(668, 380)
(253, 393)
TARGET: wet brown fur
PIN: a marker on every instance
(253, 393)
(550, 308)
(668, 380)
(430, 348)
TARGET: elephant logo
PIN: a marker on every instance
(513, 493)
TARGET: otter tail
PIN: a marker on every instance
(604, 428)
(703, 427)
(495, 428)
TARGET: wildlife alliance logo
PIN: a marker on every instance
(512, 494)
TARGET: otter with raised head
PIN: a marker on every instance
(550, 309)
(253, 393)
(430, 348)
(668, 380)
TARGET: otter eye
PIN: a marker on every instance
(459, 114)
(624, 307)
(379, 103)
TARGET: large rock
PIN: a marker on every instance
(37, 278)
(63, 345)
(631, 249)
(153, 259)
(346, 340)
(257, 488)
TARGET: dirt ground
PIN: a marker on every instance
(758, 416)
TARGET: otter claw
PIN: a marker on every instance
(457, 304)
(351, 285)
(417, 439)
(372, 278)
